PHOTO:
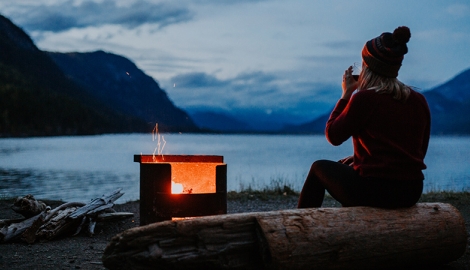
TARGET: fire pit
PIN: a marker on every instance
(173, 186)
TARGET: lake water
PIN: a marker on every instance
(83, 168)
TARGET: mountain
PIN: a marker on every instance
(219, 122)
(316, 126)
(246, 120)
(449, 104)
(456, 89)
(116, 81)
(38, 99)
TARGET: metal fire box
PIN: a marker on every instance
(202, 180)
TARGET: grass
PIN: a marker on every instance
(435, 196)
(280, 187)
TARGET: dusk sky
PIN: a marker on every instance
(278, 56)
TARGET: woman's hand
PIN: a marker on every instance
(347, 160)
(349, 84)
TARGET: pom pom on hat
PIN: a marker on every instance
(402, 35)
(384, 54)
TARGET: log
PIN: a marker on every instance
(224, 241)
(324, 238)
(373, 238)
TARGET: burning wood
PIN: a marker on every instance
(42, 222)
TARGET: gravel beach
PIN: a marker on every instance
(84, 252)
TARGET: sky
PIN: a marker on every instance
(272, 56)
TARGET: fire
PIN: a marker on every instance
(176, 188)
(196, 177)
(156, 136)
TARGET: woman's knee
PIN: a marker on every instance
(320, 164)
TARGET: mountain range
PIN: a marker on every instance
(449, 104)
(116, 81)
(50, 93)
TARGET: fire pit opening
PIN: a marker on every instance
(173, 186)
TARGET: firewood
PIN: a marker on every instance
(91, 226)
(28, 206)
(324, 238)
(97, 205)
(58, 224)
(114, 216)
(66, 219)
(72, 219)
(61, 207)
(7, 222)
(29, 235)
(14, 230)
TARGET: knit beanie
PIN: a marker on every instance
(384, 54)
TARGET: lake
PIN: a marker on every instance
(85, 167)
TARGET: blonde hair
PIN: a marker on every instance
(372, 81)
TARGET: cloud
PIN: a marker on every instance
(63, 16)
(197, 80)
(256, 90)
(251, 53)
(254, 78)
(459, 10)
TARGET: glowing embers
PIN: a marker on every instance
(193, 177)
(176, 188)
(181, 186)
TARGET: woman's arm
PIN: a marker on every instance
(349, 117)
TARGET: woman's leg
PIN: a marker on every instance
(337, 178)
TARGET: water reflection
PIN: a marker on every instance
(83, 168)
(76, 186)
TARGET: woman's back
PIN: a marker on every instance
(390, 137)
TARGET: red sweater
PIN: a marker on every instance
(390, 137)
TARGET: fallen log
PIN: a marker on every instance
(324, 238)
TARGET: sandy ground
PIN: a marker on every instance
(85, 252)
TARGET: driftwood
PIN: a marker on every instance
(68, 218)
(325, 238)
(28, 206)
(13, 230)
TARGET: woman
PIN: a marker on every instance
(389, 124)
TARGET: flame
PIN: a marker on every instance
(176, 188)
(156, 136)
